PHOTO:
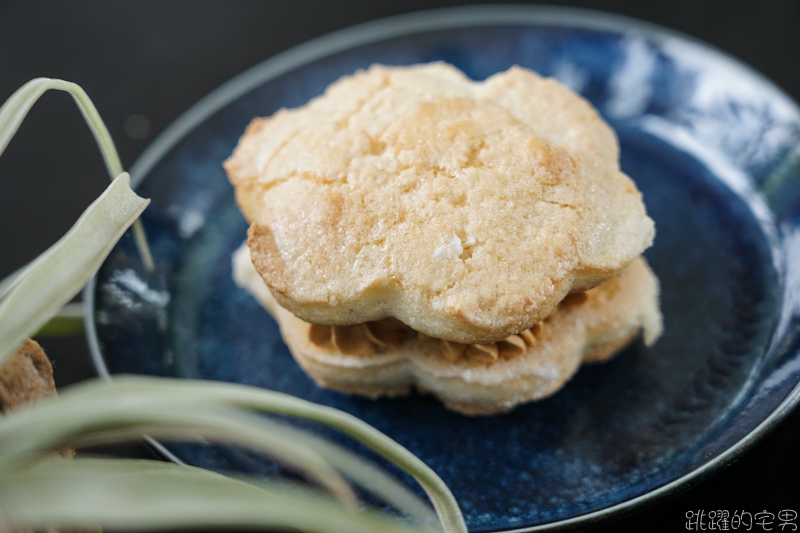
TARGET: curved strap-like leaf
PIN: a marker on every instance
(163, 391)
(57, 275)
(16, 108)
(104, 416)
(136, 495)
(89, 425)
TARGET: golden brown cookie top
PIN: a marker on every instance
(466, 210)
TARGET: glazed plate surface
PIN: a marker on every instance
(712, 146)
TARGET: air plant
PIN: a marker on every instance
(38, 491)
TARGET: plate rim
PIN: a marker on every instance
(438, 19)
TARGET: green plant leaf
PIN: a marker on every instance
(16, 108)
(60, 273)
(104, 414)
(92, 422)
(149, 495)
(217, 429)
(131, 390)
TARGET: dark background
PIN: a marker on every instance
(144, 63)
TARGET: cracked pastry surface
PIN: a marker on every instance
(467, 210)
(587, 328)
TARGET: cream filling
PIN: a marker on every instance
(371, 338)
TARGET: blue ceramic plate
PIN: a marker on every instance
(712, 145)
